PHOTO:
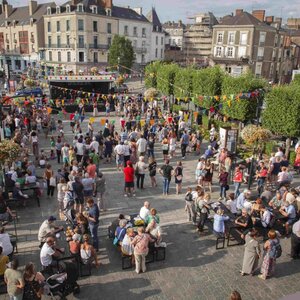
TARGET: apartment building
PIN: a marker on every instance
(21, 34)
(174, 33)
(157, 47)
(78, 35)
(137, 28)
(198, 39)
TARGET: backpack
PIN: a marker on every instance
(276, 249)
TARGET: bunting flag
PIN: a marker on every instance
(102, 122)
(92, 120)
(143, 123)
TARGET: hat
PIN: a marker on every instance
(51, 218)
(128, 162)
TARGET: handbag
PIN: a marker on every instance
(226, 187)
(52, 181)
(165, 147)
(117, 238)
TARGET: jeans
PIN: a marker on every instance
(150, 152)
(140, 177)
(183, 149)
(260, 185)
(203, 218)
(237, 186)
(58, 154)
(50, 189)
(94, 235)
(223, 191)
(166, 185)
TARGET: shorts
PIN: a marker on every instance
(129, 184)
(66, 160)
(291, 221)
(165, 152)
(120, 159)
(79, 200)
(88, 193)
(106, 154)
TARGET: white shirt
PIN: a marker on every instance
(30, 179)
(65, 151)
(279, 153)
(46, 255)
(266, 218)
(144, 213)
(95, 146)
(6, 244)
(231, 204)
(142, 145)
(80, 148)
(119, 150)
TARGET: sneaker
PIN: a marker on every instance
(125, 195)
(183, 157)
(261, 277)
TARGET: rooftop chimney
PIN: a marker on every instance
(259, 14)
(108, 4)
(239, 11)
(138, 10)
(179, 23)
(8, 10)
(270, 19)
(32, 7)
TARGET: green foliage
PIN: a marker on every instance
(281, 114)
(176, 108)
(184, 83)
(151, 71)
(235, 108)
(208, 81)
(121, 52)
(166, 78)
(270, 147)
(296, 79)
(292, 157)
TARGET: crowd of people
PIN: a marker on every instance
(79, 183)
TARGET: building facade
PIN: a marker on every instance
(21, 34)
(174, 32)
(198, 39)
(243, 42)
(78, 35)
(157, 48)
(136, 27)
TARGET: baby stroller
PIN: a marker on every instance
(65, 282)
(69, 213)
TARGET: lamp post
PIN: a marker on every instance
(257, 114)
(119, 64)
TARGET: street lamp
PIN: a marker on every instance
(118, 64)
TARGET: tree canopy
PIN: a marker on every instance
(281, 114)
(121, 53)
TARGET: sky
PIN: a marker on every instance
(174, 10)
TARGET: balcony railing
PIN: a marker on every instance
(98, 46)
(59, 46)
(140, 50)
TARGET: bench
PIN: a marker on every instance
(235, 234)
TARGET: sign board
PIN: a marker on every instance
(228, 138)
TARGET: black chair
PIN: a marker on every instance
(220, 240)
(126, 261)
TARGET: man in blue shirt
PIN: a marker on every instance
(241, 199)
(93, 221)
(289, 211)
(185, 138)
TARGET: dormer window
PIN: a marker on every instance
(68, 10)
(31, 21)
(94, 9)
(48, 10)
(14, 23)
(80, 8)
(157, 28)
(57, 9)
(108, 12)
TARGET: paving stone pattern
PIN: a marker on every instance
(193, 269)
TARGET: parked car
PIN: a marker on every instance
(37, 92)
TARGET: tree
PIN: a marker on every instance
(151, 71)
(166, 78)
(121, 53)
(183, 84)
(206, 83)
(281, 114)
(234, 106)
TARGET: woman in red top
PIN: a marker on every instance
(129, 179)
(237, 179)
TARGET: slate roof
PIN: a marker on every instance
(153, 18)
(243, 19)
(21, 14)
(127, 13)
